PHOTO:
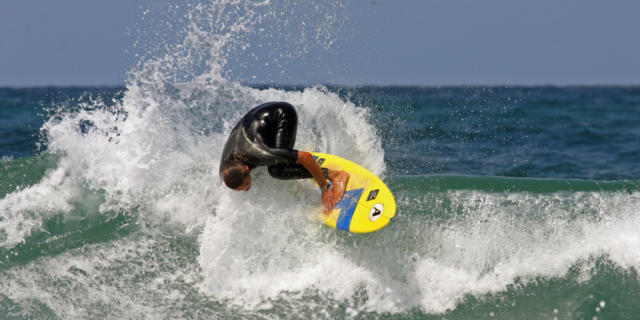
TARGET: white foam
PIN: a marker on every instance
(121, 279)
(502, 237)
(25, 209)
(266, 245)
(492, 241)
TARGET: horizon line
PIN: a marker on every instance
(366, 85)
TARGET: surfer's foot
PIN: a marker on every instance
(339, 180)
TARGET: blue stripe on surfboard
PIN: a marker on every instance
(348, 205)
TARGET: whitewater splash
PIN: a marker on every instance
(162, 142)
(154, 156)
(155, 153)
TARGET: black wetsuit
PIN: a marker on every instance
(265, 137)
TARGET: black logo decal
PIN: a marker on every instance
(320, 161)
(376, 212)
(373, 194)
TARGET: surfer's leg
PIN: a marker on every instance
(285, 138)
(339, 180)
(286, 127)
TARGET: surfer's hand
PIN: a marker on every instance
(327, 200)
(339, 181)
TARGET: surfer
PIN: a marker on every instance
(265, 137)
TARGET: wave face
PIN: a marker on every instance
(504, 210)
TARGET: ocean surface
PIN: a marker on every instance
(513, 202)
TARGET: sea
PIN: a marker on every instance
(514, 202)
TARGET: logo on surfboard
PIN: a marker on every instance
(376, 211)
(318, 160)
(373, 194)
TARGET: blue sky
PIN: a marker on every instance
(385, 42)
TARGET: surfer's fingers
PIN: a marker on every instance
(328, 200)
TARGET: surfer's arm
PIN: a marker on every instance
(307, 161)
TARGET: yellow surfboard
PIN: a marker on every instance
(367, 205)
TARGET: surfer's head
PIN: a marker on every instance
(236, 176)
